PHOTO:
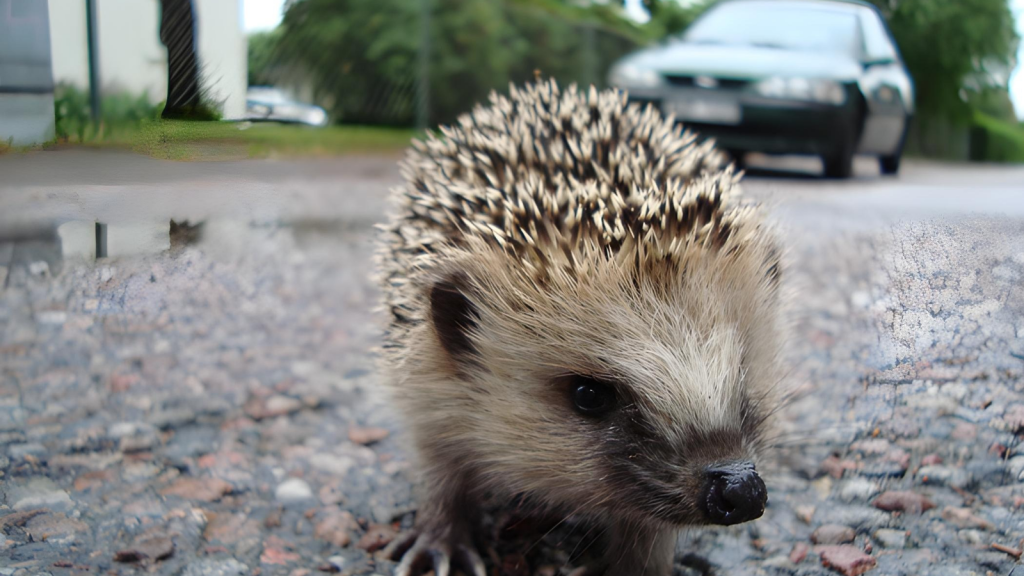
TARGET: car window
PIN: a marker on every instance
(877, 42)
(790, 25)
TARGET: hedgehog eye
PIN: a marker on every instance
(591, 397)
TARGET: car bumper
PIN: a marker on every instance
(777, 127)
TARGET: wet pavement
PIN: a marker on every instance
(213, 409)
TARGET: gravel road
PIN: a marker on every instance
(213, 410)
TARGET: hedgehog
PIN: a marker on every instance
(582, 312)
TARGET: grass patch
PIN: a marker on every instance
(996, 140)
(193, 140)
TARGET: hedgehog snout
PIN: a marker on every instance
(733, 493)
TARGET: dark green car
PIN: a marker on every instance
(816, 77)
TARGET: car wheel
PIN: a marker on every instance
(738, 158)
(889, 164)
(839, 164)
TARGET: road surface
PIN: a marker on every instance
(213, 409)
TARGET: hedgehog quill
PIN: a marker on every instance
(582, 310)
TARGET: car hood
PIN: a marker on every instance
(736, 61)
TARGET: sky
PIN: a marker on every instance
(266, 14)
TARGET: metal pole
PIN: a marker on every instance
(91, 24)
(423, 84)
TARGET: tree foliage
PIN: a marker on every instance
(944, 42)
(362, 56)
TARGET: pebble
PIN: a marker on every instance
(833, 534)
(857, 517)
(377, 536)
(228, 567)
(203, 489)
(366, 435)
(334, 465)
(857, 488)
(945, 476)
(903, 501)
(293, 490)
(134, 436)
(147, 547)
(845, 559)
(965, 518)
(38, 493)
(889, 538)
(18, 452)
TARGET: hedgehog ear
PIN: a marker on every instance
(453, 315)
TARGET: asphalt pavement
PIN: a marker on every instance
(212, 409)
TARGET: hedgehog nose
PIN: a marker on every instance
(733, 493)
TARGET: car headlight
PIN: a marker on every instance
(809, 89)
(629, 76)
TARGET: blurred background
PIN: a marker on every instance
(113, 65)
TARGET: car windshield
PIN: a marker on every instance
(787, 25)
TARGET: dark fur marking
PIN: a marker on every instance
(453, 316)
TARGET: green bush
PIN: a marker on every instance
(996, 140)
(118, 112)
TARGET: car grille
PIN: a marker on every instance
(689, 81)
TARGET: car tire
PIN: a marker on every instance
(889, 165)
(839, 164)
(738, 158)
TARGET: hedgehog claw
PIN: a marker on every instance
(418, 551)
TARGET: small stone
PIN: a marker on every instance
(903, 501)
(366, 435)
(148, 547)
(804, 512)
(857, 489)
(833, 534)
(931, 460)
(134, 436)
(376, 537)
(19, 452)
(336, 528)
(203, 489)
(38, 493)
(228, 567)
(971, 536)
(230, 529)
(835, 467)
(889, 538)
(799, 552)
(277, 551)
(964, 431)
(857, 517)
(965, 518)
(293, 490)
(334, 465)
(847, 560)
(277, 405)
(55, 528)
(945, 476)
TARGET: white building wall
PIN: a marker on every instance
(223, 53)
(131, 57)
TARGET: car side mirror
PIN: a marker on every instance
(870, 63)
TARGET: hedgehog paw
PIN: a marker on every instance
(421, 552)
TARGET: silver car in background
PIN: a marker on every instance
(270, 104)
(818, 77)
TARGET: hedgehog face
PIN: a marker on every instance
(630, 389)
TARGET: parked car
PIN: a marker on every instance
(266, 103)
(818, 77)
